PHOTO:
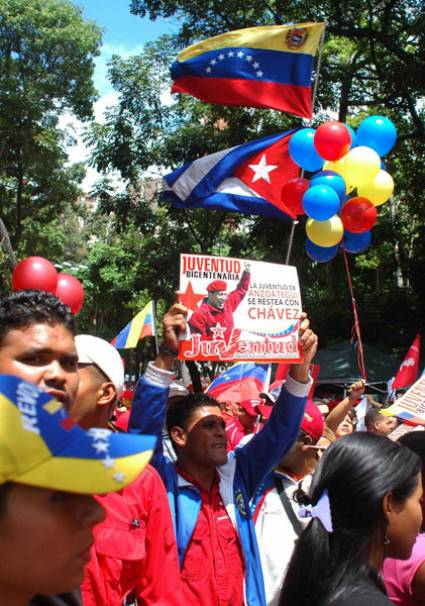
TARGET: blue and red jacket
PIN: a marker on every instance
(246, 468)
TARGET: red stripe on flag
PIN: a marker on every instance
(229, 91)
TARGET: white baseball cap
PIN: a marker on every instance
(94, 350)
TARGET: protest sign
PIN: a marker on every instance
(411, 406)
(239, 310)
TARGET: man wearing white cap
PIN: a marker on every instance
(128, 562)
(101, 373)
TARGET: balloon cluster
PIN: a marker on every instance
(345, 163)
(38, 273)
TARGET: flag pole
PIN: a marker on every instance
(309, 123)
(155, 332)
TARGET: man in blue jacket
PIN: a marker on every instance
(209, 492)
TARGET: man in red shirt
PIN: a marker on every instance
(240, 419)
(134, 556)
(208, 491)
(216, 310)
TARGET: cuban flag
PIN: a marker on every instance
(267, 66)
(242, 381)
(245, 179)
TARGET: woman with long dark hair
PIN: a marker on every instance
(366, 495)
(405, 579)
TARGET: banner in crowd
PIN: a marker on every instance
(239, 310)
(411, 406)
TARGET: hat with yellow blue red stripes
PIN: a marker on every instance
(41, 446)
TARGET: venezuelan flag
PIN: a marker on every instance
(142, 325)
(268, 66)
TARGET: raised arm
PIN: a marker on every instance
(338, 414)
(238, 294)
(150, 400)
(269, 446)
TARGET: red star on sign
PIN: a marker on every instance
(189, 298)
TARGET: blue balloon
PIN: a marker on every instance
(303, 152)
(332, 179)
(354, 141)
(377, 132)
(320, 202)
(356, 243)
(321, 254)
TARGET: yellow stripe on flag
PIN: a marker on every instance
(297, 38)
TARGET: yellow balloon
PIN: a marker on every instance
(361, 165)
(338, 166)
(379, 190)
(325, 233)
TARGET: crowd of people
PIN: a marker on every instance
(190, 500)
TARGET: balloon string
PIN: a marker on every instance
(356, 326)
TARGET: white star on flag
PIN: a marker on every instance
(119, 477)
(208, 70)
(101, 446)
(99, 434)
(262, 170)
(249, 58)
(221, 56)
(255, 65)
(240, 54)
(259, 74)
(230, 54)
(213, 61)
(108, 462)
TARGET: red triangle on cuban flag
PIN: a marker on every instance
(267, 172)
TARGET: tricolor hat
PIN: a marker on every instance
(41, 446)
(217, 285)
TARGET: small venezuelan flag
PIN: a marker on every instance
(268, 66)
(142, 325)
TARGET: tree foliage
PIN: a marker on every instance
(46, 67)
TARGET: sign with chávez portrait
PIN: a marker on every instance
(239, 310)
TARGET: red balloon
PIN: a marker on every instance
(35, 272)
(332, 140)
(358, 215)
(70, 291)
(292, 194)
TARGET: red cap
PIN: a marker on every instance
(217, 285)
(265, 410)
(250, 406)
(313, 423)
(122, 419)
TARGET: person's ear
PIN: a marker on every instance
(178, 436)
(391, 508)
(106, 394)
(307, 442)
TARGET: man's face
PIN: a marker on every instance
(44, 355)
(217, 298)
(47, 536)
(206, 439)
(383, 426)
(233, 408)
(301, 460)
(85, 410)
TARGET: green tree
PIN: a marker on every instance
(372, 63)
(46, 67)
